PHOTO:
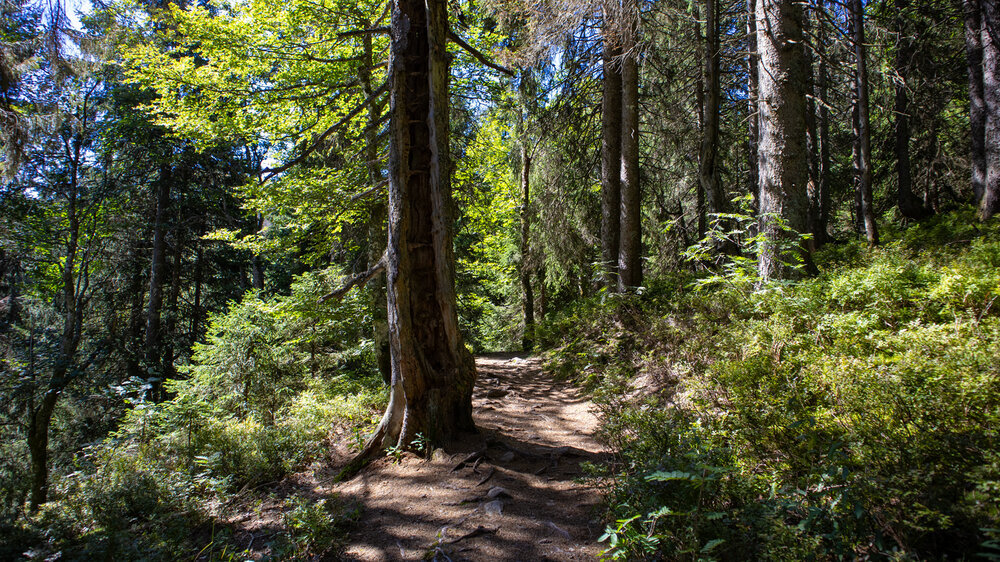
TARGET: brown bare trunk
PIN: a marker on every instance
(432, 372)
(990, 204)
(377, 238)
(812, 140)
(909, 204)
(753, 120)
(864, 127)
(715, 201)
(977, 97)
(782, 155)
(157, 277)
(822, 79)
(611, 138)
(630, 249)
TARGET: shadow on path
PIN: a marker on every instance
(518, 495)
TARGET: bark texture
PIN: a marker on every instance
(611, 138)
(715, 200)
(630, 250)
(863, 130)
(782, 156)
(157, 278)
(977, 98)
(990, 203)
(910, 206)
(753, 93)
(432, 372)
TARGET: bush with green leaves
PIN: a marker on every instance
(274, 378)
(849, 415)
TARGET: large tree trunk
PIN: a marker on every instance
(432, 372)
(611, 139)
(630, 250)
(715, 200)
(910, 206)
(864, 123)
(977, 97)
(990, 204)
(782, 153)
(157, 278)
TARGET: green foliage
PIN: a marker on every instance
(849, 415)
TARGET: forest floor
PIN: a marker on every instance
(521, 497)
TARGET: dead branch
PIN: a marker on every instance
(359, 279)
(478, 55)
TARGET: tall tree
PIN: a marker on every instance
(862, 130)
(157, 279)
(526, 93)
(432, 372)
(973, 18)
(990, 13)
(782, 157)
(910, 206)
(630, 249)
(708, 163)
(611, 139)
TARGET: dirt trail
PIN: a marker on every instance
(535, 433)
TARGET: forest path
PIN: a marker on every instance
(534, 432)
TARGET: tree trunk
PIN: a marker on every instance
(157, 277)
(910, 206)
(38, 447)
(40, 418)
(199, 267)
(812, 140)
(864, 123)
(611, 139)
(990, 204)
(823, 188)
(699, 99)
(528, 306)
(753, 115)
(782, 156)
(432, 372)
(715, 201)
(977, 97)
(630, 250)
(173, 310)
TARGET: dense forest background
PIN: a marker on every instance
(760, 235)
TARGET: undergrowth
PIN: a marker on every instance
(850, 415)
(178, 479)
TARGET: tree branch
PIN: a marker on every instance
(478, 55)
(371, 31)
(359, 279)
(271, 172)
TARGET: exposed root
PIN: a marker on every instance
(385, 435)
